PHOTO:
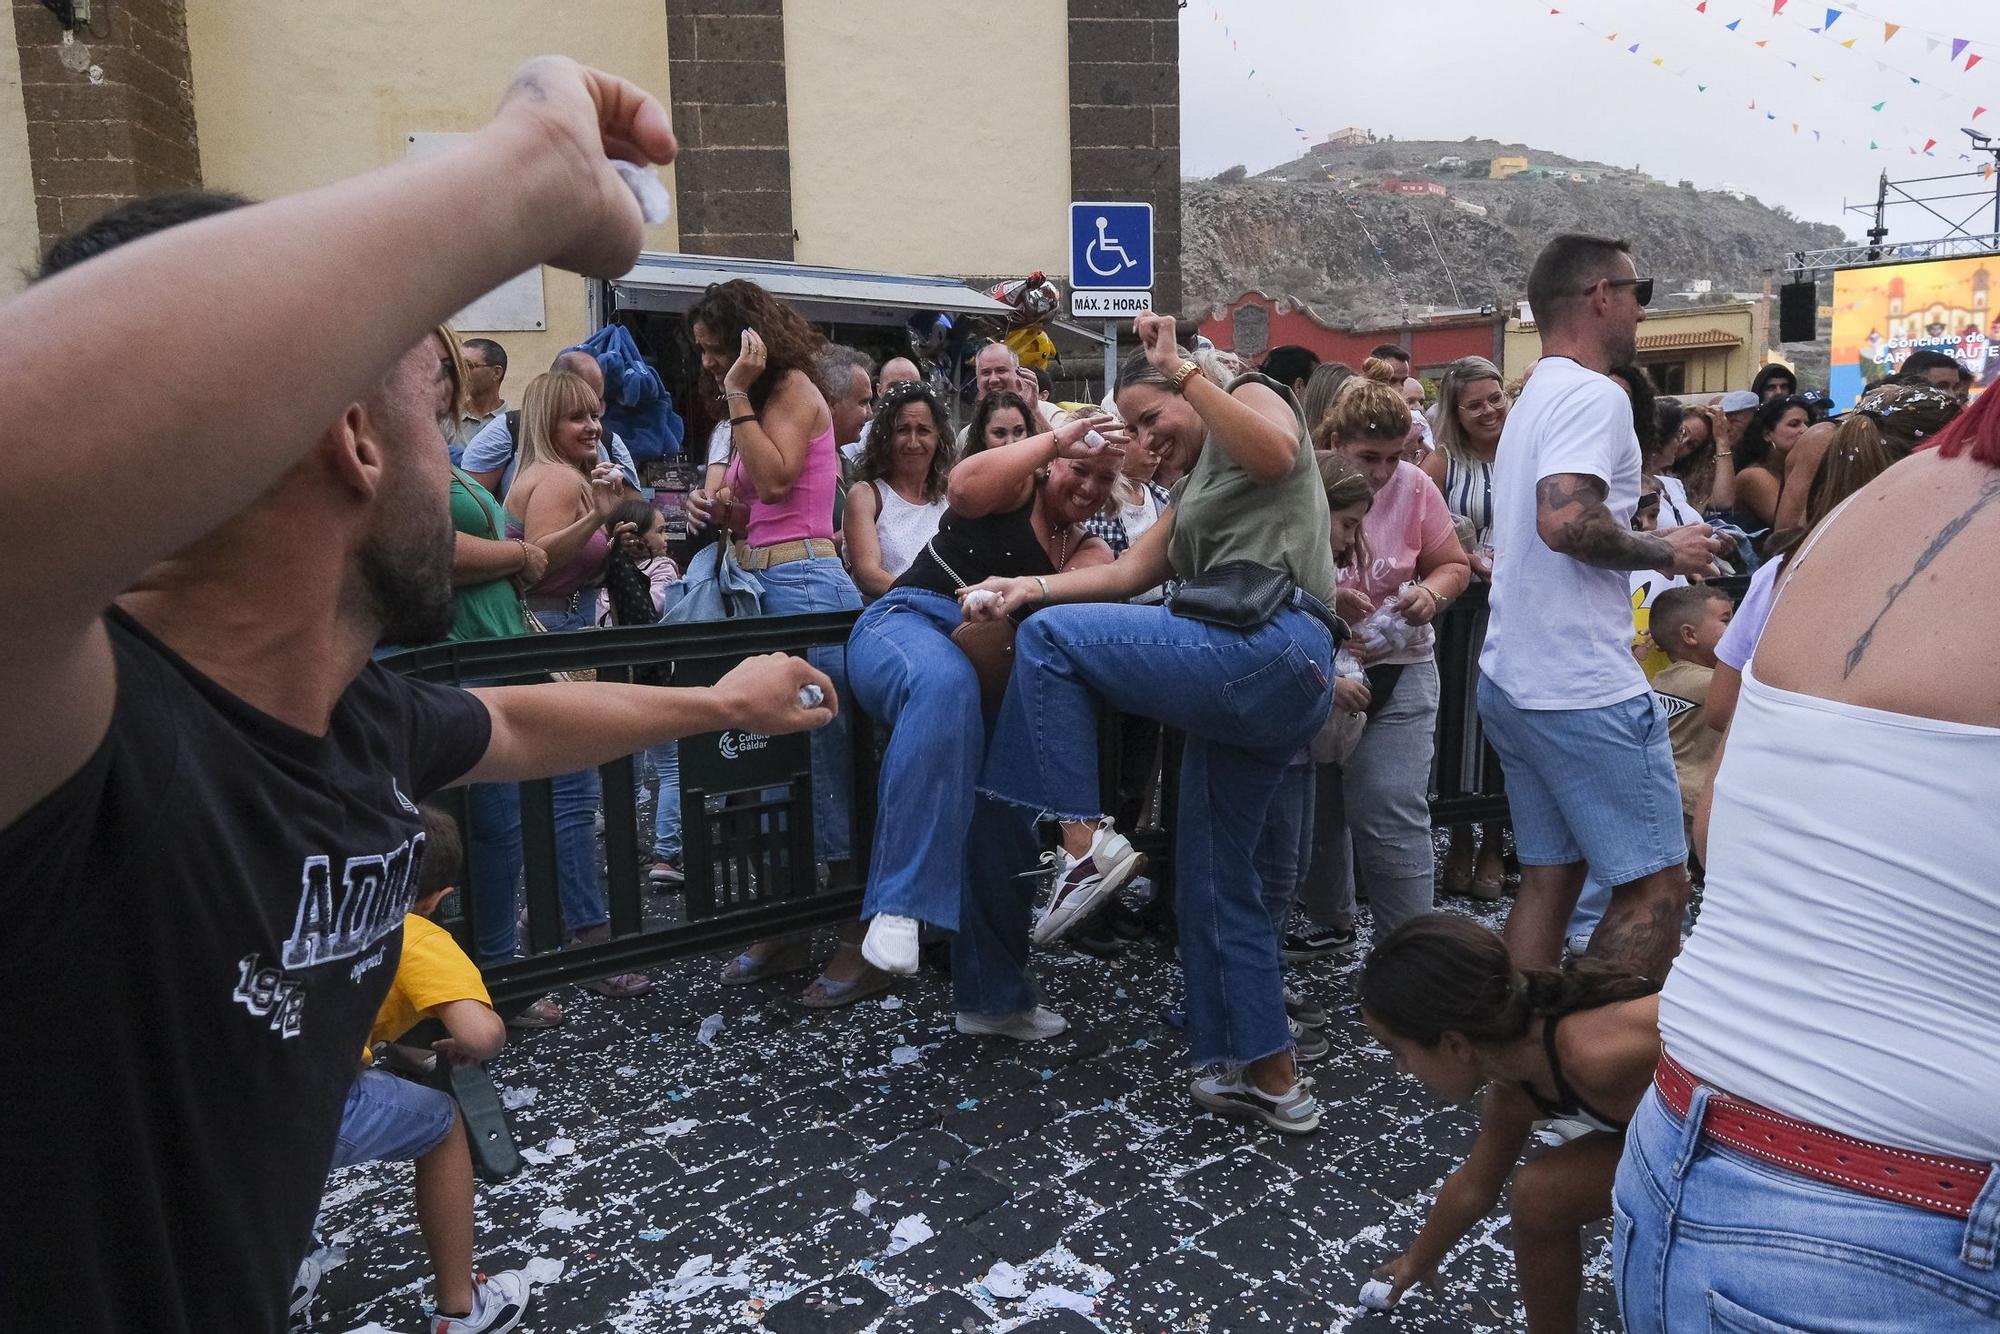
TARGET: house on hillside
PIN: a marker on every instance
(1401, 185)
(1503, 167)
(1350, 136)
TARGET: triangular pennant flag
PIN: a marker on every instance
(1733, 24)
(1701, 87)
(1977, 112)
(1849, 43)
(1929, 144)
(1872, 144)
(1831, 16)
(1770, 115)
(1958, 45)
(1634, 48)
(1795, 127)
(1659, 60)
(1973, 59)
(1931, 44)
(1880, 105)
(1889, 31)
(1763, 41)
(1611, 37)
(1777, 6)
(1701, 8)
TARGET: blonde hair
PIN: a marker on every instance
(551, 397)
(1458, 377)
(1364, 409)
(456, 408)
(1383, 371)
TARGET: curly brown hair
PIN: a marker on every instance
(877, 460)
(983, 413)
(790, 343)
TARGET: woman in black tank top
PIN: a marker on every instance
(1015, 510)
(1443, 995)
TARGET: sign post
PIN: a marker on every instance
(1110, 268)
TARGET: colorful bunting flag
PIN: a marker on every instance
(1778, 6)
(1733, 24)
(1889, 31)
(1973, 59)
(1958, 45)
(1881, 104)
(1634, 48)
(1849, 43)
(1929, 144)
(1977, 112)
(1832, 15)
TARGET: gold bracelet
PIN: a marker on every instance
(1188, 370)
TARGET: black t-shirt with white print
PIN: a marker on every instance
(196, 930)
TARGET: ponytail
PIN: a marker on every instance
(1441, 973)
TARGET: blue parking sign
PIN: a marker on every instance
(1110, 246)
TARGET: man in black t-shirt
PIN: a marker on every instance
(208, 822)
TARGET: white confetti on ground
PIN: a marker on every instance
(892, 1002)
(709, 1028)
(697, 1277)
(515, 1099)
(628, 1072)
(562, 1219)
(673, 1129)
(913, 1230)
(560, 1147)
(863, 1202)
(905, 1056)
(1005, 1282)
(542, 1270)
(535, 1157)
(1050, 1295)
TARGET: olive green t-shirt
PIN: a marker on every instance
(491, 610)
(1221, 515)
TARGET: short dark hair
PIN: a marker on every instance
(134, 222)
(1288, 363)
(1568, 264)
(444, 852)
(1645, 416)
(1044, 379)
(1925, 359)
(1677, 607)
(1392, 352)
(496, 355)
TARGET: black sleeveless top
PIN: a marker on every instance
(1567, 1103)
(966, 551)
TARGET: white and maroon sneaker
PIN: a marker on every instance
(1084, 882)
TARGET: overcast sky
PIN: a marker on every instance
(1509, 70)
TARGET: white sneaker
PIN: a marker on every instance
(498, 1303)
(1036, 1025)
(1084, 882)
(891, 943)
(1294, 1112)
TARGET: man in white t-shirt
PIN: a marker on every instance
(1589, 767)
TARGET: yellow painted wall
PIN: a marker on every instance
(1503, 167)
(1709, 370)
(20, 241)
(292, 95)
(932, 137)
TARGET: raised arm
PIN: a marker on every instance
(996, 480)
(1572, 518)
(1254, 425)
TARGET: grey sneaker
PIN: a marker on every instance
(1294, 1112)
(1084, 882)
(1303, 1011)
(1308, 1043)
(1035, 1025)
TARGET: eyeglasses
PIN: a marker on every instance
(1642, 288)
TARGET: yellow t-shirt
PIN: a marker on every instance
(433, 971)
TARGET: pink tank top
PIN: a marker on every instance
(807, 511)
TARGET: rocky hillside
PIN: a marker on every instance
(1292, 231)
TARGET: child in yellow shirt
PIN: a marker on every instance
(391, 1119)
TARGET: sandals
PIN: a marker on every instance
(544, 1013)
(827, 993)
(745, 968)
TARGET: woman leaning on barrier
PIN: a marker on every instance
(1241, 661)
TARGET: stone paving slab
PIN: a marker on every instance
(761, 1180)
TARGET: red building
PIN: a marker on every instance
(1254, 323)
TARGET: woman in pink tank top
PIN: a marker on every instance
(777, 500)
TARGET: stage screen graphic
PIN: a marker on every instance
(1884, 312)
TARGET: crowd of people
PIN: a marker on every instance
(219, 798)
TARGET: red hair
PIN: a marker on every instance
(1975, 433)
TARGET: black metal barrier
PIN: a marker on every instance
(746, 800)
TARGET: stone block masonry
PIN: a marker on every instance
(1125, 118)
(726, 66)
(110, 118)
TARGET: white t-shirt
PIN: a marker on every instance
(1558, 634)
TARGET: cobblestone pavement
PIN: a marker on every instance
(1058, 1187)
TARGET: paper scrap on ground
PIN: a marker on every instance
(709, 1028)
(1005, 1282)
(1375, 1294)
(913, 1230)
(535, 1157)
(542, 1269)
(863, 1202)
(561, 1148)
(1050, 1295)
(697, 1277)
(892, 1002)
(673, 1129)
(515, 1099)
(561, 1219)
(905, 1056)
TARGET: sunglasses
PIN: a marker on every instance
(1642, 288)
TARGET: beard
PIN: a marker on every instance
(406, 573)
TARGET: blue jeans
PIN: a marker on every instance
(799, 588)
(666, 763)
(1285, 849)
(905, 671)
(1247, 702)
(1704, 1237)
(989, 955)
(391, 1120)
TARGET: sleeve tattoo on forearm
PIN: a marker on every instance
(1584, 529)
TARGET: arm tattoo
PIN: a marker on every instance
(1640, 938)
(1988, 493)
(1574, 502)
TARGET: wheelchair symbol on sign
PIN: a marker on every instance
(1107, 246)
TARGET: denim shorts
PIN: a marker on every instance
(389, 1119)
(1589, 785)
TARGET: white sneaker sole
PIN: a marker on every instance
(1059, 921)
(1246, 1111)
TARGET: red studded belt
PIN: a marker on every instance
(1927, 1181)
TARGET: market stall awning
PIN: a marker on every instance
(673, 283)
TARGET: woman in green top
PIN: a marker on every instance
(1248, 700)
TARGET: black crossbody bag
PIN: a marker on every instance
(1237, 595)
